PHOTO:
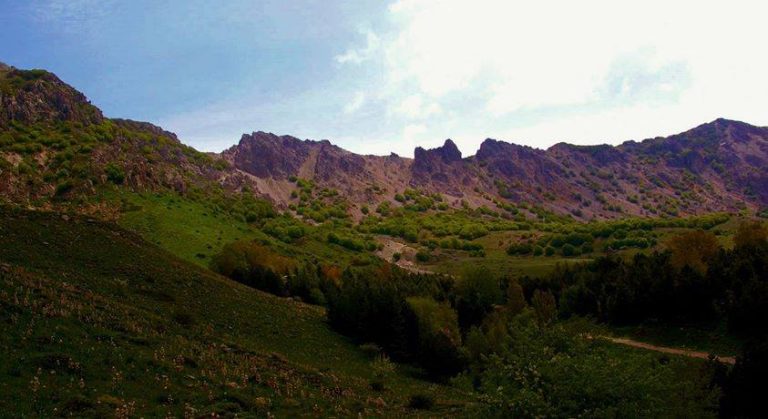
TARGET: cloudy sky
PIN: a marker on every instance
(378, 77)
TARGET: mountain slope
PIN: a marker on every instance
(55, 145)
(108, 325)
(719, 166)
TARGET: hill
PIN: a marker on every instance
(108, 325)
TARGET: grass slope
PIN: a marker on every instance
(97, 322)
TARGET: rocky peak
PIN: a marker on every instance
(37, 96)
(447, 153)
(265, 154)
(494, 149)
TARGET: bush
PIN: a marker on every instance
(569, 250)
(114, 173)
(421, 401)
(64, 187)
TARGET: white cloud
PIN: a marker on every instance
(591, 70)
(413, 107)
(356, 103)
(359, 55)
(412, 133)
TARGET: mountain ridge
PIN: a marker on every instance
(716, 166)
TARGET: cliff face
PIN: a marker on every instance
(719, 166)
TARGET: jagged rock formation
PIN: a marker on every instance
(718, 166)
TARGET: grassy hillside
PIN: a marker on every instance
(99, 322)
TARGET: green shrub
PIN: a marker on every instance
(115, 174)
(421, 401)
(569, 250)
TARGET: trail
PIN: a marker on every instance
(667, 350)
(390, 247)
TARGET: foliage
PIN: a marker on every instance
(437, 341)
(549, 372)
(693, 249)
(477, 291)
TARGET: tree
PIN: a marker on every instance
(693, 249)
(476, 293)
(745, 391)
(569, 250)
(544, 306)
(437, 340)
(750, 234)
(515, 298)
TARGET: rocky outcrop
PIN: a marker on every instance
(440, 168)
(268, 155)
(34, 96)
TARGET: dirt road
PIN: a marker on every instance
(674, 351)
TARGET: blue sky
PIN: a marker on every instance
(381, 76)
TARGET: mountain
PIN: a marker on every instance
(54, 144)
(718, 166)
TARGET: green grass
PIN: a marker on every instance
(194, 232)
(98, 322)
(187, 229)
(496, 259)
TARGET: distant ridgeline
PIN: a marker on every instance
(54, 144)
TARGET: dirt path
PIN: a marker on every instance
(675, 351)
(407, 254)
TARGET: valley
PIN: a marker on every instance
(282, 277)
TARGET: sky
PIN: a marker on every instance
(386, 76)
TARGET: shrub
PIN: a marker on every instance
(114, 173)
(569, 250)
(421, 401)
(64, 187)
(544, 307)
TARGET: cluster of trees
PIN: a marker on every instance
(485, 333)
(256, 266)
(571, 244)
(414, 200)
(501, 337)
(695, 280)
(357, 245)
(285, 228)
(318, 206)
